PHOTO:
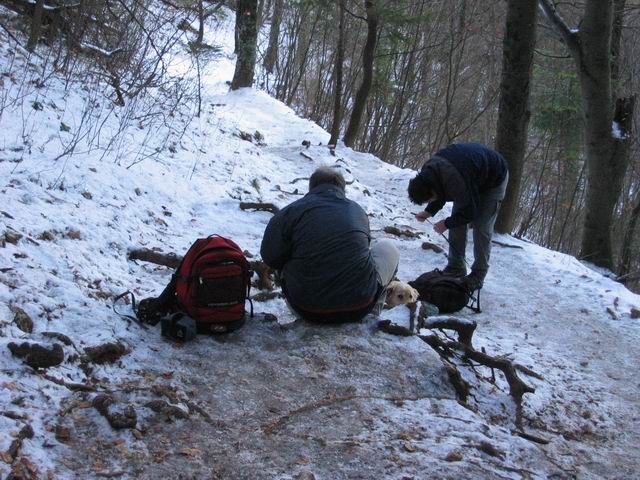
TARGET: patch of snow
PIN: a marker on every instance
(617, 132)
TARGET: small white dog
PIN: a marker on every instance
(400, 293)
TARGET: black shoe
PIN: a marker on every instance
(474, 281)
(455, 271)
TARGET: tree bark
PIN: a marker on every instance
(271, 56)
(337, 104)
(367, 74)
(605, 157)
(590, 48)
(247, 33)
(624, 266)
(201, 19)
(513, 114)
(36, 25)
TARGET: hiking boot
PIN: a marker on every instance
(455, 271)
(474, 281)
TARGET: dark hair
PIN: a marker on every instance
(419, 191)
(326, 175)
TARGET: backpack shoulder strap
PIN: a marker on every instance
(133, 307)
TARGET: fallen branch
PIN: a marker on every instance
(446, 349)
(528, 371)
(299, 179)
(110, 474)
(281, 190)
(629, 277)
(517, 387)
(506, 245)
(260, 207)
(308, 157)
(388, 327)
(74, 387)
(60, 336)
(464, 328)
(460, 385)
(170, 260)
(531, 438)
(401, 233)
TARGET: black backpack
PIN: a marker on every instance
(448, 293)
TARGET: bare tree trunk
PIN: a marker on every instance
(513, 115)
(36, 25)
(200, 38)
(606, 162)
(271, 56)
(624, 266)
(391, 134)
(616, 38)
(337, 105)
(367, 74)
(623, 116)
(246, 45)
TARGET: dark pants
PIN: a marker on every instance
(489, 206)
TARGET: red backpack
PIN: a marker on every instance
(212, 284)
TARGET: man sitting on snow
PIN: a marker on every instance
(474, 178)
(320, 245)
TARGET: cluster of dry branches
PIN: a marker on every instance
(460, 352)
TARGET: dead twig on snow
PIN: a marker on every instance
(260, 207)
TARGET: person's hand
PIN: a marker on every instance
(440, 227)
(422, 216)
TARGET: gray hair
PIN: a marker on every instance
(326, 175)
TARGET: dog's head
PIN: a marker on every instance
(400, 293)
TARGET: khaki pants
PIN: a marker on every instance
(386, 258)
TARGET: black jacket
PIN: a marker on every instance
(459, 173)
(321, 245)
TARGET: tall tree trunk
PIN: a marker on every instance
(616, 38)
(271, 56)
(367, 74)
(337, 104)
(36, 25)
(603, 190)
(200, 38)
(246, 16)
(392, 131)
(513, 113)
(623, 117)
(605, 150)
(624, 266)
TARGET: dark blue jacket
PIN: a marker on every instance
(459, 173)
(321, 245)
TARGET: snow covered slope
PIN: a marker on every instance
(273, 401)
